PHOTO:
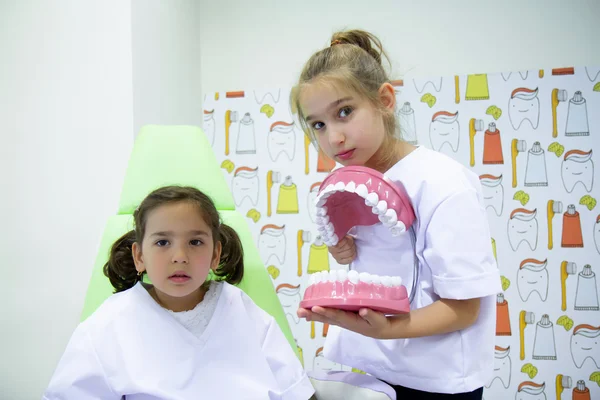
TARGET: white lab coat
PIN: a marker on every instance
(134, 349)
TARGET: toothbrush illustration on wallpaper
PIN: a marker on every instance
(272, 178)
(306, 157)
(525, 318)
(475, 125)
(566, 268)
(516, 147)
(596, 233)
(552, 208)
(557, 96)
(230, 117)
(562, 382)
(301, 238)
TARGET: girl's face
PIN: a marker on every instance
(348, 128)
(178, 253)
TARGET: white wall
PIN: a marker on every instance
(72, 99)
(166, 63)
(422, 37)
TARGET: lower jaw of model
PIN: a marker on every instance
(352, 196)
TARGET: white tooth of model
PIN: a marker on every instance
(332, 275)
(342, 275)
(326, 195)
(362, 191)
(353, 276)
(321, 202)
(376, 279)
(340, 187)
(311, 279)
(351, 187)
(386, 281)
(334, 239)
(324, 276)
(380, 208)
(329, 228)
(364, 277)
(322, 211)
(372, 199)
(398, 228)
(323, 220)
(396, 281)
(392, 218)
(330, 188)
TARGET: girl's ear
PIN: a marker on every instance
(216, 256)
(138, 258)
(387, 95)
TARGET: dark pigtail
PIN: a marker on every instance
(120, 267)
(231, 264)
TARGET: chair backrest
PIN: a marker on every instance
(181, 155)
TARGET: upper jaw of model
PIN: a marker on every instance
(524, 105)
(577, 166)
(584, 345)
(352, 196)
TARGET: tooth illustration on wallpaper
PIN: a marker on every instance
(586, 297)
(230, 117)
(428, 99)
(502, 316)
(533, 277)
(456, 89)
(535, 171)
(287, 203)
(260, 96)
(502, 367)
(525, 318)
(544, 344)
(577, 167)
(492, 146)
(311, 199)
(475, 125)
(318, 256)
(523, 227)
(320, 363)
(577, 117)
(516, 147)
(208, 124)
(524, 105)
(571, 234)
(272, 178)
(507, 75)
(557, 96)
(562, 382)
(408, 127)
(566, 269)
(244, 185)
(301, 238)
(246, 140)
(493, 192)
(585, 345)
(531, 391)
(592, 73)
(597, 233)
(422, 83)
(444, 129)
(289, 296)
(272, 243)
(588, 201)
(281, 139)
(477, 87)
(553, 207)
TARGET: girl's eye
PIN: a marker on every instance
(318, 125)
(162, 242)
(345, 111)
(195, 242)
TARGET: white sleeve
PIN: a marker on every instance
(458, 249)
(294, 383)
(79, 374)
